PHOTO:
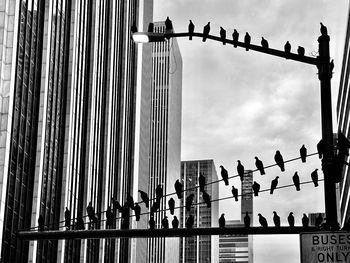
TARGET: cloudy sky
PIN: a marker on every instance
(238, 104)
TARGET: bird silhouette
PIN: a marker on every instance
(144, 198)
(117, 205)
(165, 222)
(256, 188)
(155, 207)
(178, 189)
(150, 27)
(320, 149)
(137, 210)
(151, 223)
(319, 220)
(264, 43)
(303, 153)
(168, 25)
(279, 160)
(175, 222)
(343, 144)
(235, 193)
(159, 192)
(130, 201)
(246, 220)
(235, 37)
(287, 49)
(291, 220)
(171, 204)
(323, 30)
(247, 41)
(276, 219)
(41, 223)
(224, 174)
(190, 29)
(133, 28)
(206, 199)
(314, 177)
(190, 221)
(206, 31)
(240, 170)
(223, 35)
(296, 181)
(201, 180)
(189, 201)
(274, 183)
(109, 217)
(259, 165)
(222, 221)
(262, 221)
(67, 218)
(305, 220)
(301, 51)
(80, 225)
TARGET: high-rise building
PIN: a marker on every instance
(199, 248)
(70, 80)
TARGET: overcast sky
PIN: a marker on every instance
(238, 104)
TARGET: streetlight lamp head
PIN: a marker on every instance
(145, 37)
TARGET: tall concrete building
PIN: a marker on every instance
(199, 248)
(70, 90)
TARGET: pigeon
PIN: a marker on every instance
(235, 36)
(296, 181)
(144, 198)
(235, 193)
(240, 170)
(320, 149)
(41, 223)
(80, 225)
(314, 177)
(178, 188)
(246, 220)
(201, 180)
(291, 219)
(305, 221)
(223, 35)
(151, 223)
(190, 221)
(287, 48)
(133, 28)
(303, 153)
(323, 30)
(301, 51)
(319, 220)
(137, 210)
(276, 219)
(171, 204)
(224, 174)
(343, 144)
(189, 201)
(206, 199)
(175, 222)
(168, 25)
(247, 41)
(279, 160)
(262, 221)
(222, 221)
(109, 217)
(274, 183)
(159, 192)
(155, 207)
(165, 222)
(259, 164)
(117, 205)
(190, 29)
(206, 31)
(67, 218)
(130, 201)
(256, 188)
(150, 27)
(264, 43)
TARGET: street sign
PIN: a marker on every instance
(328, 247)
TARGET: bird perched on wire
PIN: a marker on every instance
(155, 207)
(168, 25)
(235, 37)
(159, 192)
(190, 221)
(206, 31)
(67, 218)
(276, 219)
(256, 188)
(189, 201)
(246, 220)
(178, 188)
(109, 217)
(137, 210)
(190, 29)
(224, 174)
(151, 223)
(80, 225)
(296, 181)
(171, 204)
(301, 51)
(247, 41)
(41, 223)
(287, 48)
(175, 222)
(314, 177)
(235, 193)
(165, 222)
(259, 165)
(274, 184)
(144, 198)
(151, 27)
(201, 181)
(223, 35)
(323, 30)
(279, 160)
(264, 43)
(130, 201)
(240, 170)
(291, 220)
(305, 220)
(222, 221)
(303, 153)
(206, 199)
(117, 205)
(319, 220)
(262, 221)
(320, 149)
